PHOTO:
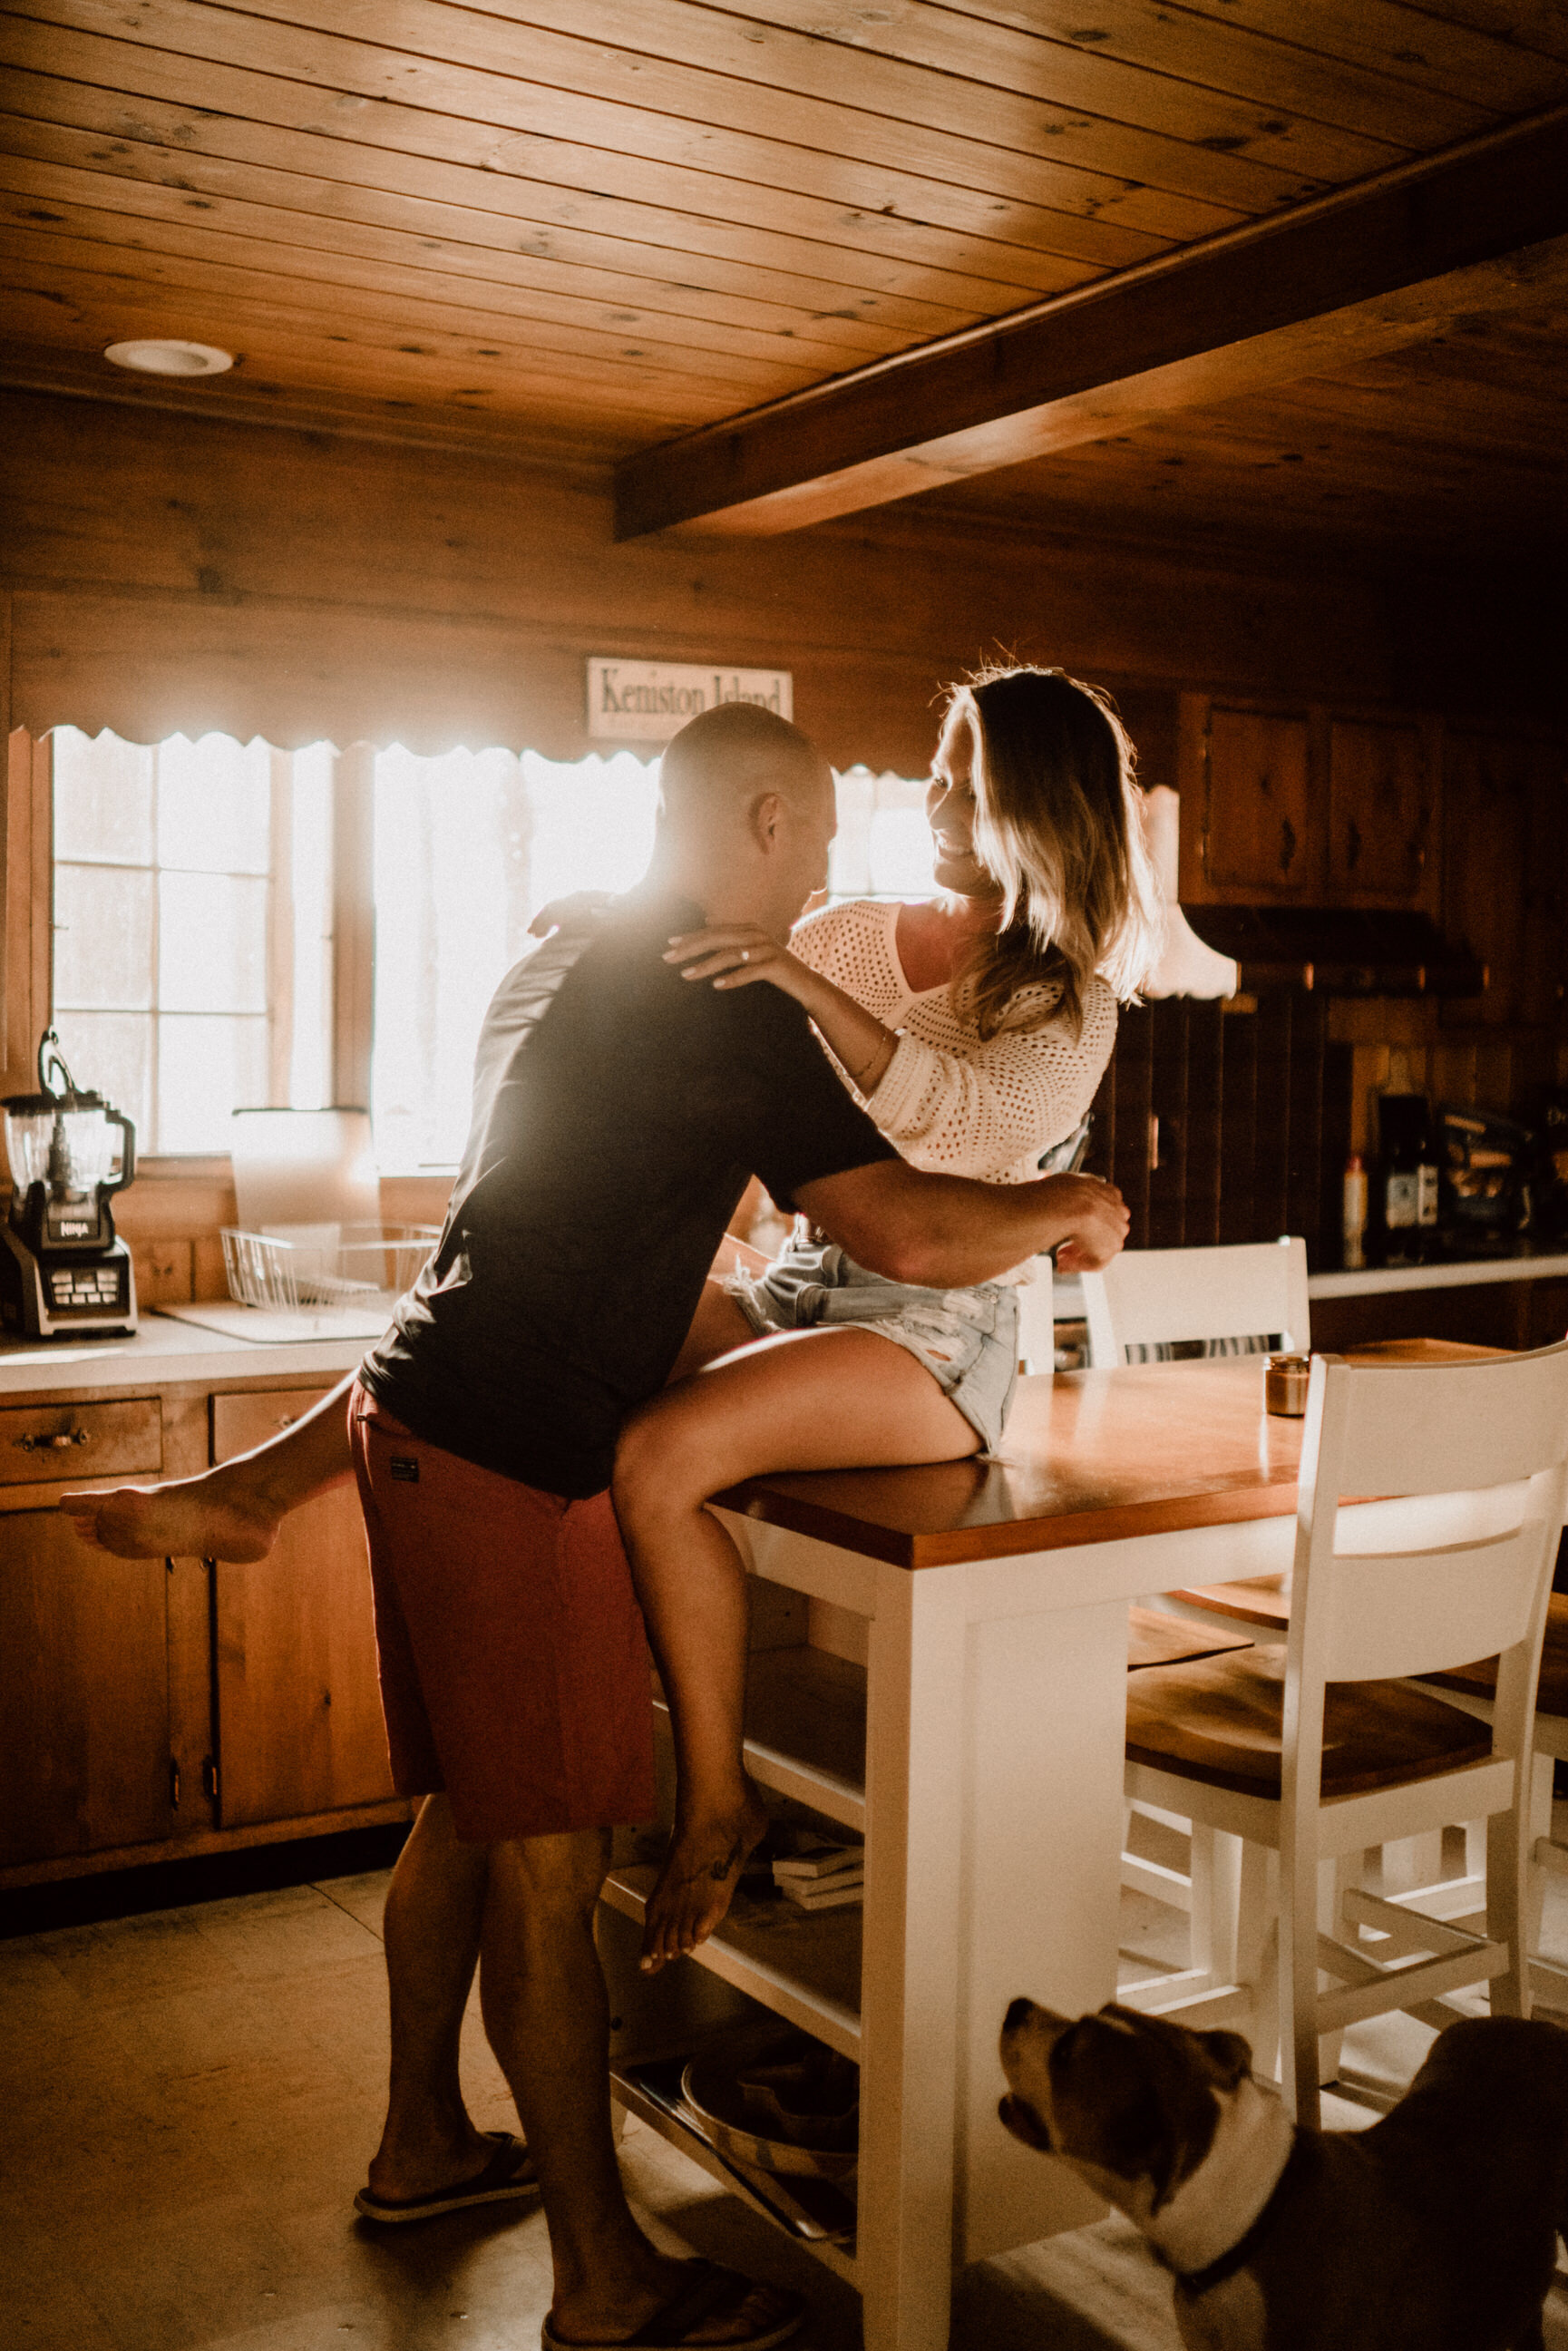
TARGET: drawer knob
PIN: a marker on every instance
(61, 1444)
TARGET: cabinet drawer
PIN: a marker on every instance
(64, 1443)
(240, 1422)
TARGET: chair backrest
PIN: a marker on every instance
(1455, 1562)
(1037, 1322)
(1231, 1300)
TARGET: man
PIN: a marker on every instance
(618, 1115)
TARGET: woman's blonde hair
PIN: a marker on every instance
(1058, 824)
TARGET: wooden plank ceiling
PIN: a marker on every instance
(587, 227)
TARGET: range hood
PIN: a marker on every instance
(1368, 951)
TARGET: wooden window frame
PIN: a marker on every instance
(27, 898)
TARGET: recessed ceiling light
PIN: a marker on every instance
(171, 358)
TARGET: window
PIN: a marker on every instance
(192, 949)
(193, 911)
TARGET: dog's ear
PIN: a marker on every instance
(1230, 2057)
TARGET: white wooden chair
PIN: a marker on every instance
(1232, 1301)
(1037, 1320)
(1336, 1752)
(1238, 1300)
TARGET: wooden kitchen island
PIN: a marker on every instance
(994, 1601)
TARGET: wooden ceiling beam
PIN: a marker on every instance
(1350, 275)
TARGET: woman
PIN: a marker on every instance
(975, 1028)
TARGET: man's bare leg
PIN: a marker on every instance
(233, 1511)
(546, 2018)
(435, 1912)
(819, 1399)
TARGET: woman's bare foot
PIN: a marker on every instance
(210, 1517)
(697, 1881)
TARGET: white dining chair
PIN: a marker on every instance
(1144, 1307)
(1147, 1304)
(1314, 1754)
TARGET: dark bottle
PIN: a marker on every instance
(1405, 1207)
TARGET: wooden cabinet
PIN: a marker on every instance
(1305, 806)
(299, 1714)
(1380, 792)
(154, 1708)
(1504, 874)
(1260, 832)
(86, 1752)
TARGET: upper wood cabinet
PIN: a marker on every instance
(1505, 890)
(1261, 829)
(1304, 806)
(1381, 794)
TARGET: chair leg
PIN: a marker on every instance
(1509, 1874)
(1257, 1952)
(1410, 1862)
(1216, 1897)
(1336, 1875)
(1299, 1989)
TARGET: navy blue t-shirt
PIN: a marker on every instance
(618, 1110)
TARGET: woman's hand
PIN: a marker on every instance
(732, 954)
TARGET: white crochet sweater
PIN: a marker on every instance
(953, 1101)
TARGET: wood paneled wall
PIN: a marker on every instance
(167, 575)
(159, 574)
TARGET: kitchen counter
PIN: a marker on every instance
(162, 1351)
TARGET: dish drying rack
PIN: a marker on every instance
(303, 1267)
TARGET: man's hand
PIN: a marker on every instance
(1100, 1219)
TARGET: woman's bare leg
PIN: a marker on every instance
(803, 1400)
(233, 1511)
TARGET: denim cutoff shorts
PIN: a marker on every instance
(967, 1339)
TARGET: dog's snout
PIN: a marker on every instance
(1019, 2010)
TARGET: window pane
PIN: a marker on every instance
(103, 936)
(212, 943)
(215, 805)
(468, 847)
(103, 799)
(207, 1068)
(111, 1053)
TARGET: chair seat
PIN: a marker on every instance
(1156, 1640)
(1220, 1722)
(1551, 1691)
(1262, 1600)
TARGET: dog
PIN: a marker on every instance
(1435, 2230)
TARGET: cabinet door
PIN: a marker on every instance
(298, 1712)
(84, 1695)
(1380, 812)
(1503, 873)
(1261, 833)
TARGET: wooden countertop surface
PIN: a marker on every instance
(1089, 1456)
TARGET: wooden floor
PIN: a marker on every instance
(189, 2099)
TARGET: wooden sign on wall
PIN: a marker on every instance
(647, 702)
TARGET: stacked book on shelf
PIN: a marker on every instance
(821, 1875)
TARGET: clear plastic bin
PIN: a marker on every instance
(306, 1266)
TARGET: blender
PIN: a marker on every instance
(62, 1268)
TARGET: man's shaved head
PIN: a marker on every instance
(746, 816)
(722, 759)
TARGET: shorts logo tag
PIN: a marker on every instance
(405, 1469)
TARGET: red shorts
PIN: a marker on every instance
(513, 1667)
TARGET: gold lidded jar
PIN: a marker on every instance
(1285, 1383)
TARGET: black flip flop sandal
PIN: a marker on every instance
(711, 2293)
(501, 2181)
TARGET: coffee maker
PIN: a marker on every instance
(62, 1268)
